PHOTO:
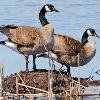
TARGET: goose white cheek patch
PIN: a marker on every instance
(47, 8)
(88, 32)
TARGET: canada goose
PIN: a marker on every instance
(66, 51)
(29, 38)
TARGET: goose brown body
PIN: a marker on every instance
(66, 49)
(84, 56)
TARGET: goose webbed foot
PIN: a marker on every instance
(69, 74)
(34, 67)
(27, 70)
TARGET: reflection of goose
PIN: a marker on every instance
(66, 51)
(30, 40)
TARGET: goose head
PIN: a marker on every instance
(49, 8)
(92, 32)
(46, 8)
(87, 33)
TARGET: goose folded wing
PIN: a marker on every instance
(67, 45)
(73, 47)
(24, 35)
(68, 51)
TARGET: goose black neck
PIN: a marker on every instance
(42, 18)
(84, 38)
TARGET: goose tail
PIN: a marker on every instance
(1, 27)
(8, 26)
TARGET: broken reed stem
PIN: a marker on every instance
(17, 86)
(50, 77)
(79, 89)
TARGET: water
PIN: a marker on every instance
(74, 17)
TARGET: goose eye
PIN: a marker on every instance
(93, 32)
(51, 8)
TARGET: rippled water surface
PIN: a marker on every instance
(74, 17)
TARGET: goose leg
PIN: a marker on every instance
(26, 58)
(34, 64)
(68, 70)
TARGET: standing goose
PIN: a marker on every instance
(66, 51)
(29, 40)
